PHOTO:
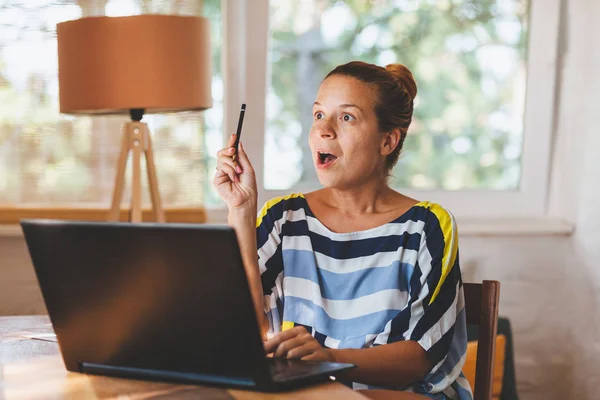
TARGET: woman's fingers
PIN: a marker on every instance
(228, 153)
(222, 160)
(231, 140)
(271, 344)
(243, 158)
(220, 178)
(228, 169)
(284, 348)
(303, 350)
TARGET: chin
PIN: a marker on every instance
(330, 181)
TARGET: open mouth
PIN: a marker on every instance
(325, 159)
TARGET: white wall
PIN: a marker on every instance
(550, 284)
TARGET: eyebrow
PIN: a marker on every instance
(342, 105)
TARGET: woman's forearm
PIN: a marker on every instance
(243, 220)
(391, 365)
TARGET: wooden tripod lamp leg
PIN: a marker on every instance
(115, 208)
(136, 139)
(159, 214)
(137, 144)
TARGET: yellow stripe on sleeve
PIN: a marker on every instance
(285, 325)
(448, 227)
(273, 202)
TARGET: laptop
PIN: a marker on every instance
(166, 302)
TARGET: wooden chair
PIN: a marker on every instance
(481, 307)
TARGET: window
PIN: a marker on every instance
(49, 159)
(480, 139)
(469, 61)
(479, 144)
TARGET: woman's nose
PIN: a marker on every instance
(326, 130)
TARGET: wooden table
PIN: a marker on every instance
(33, 369)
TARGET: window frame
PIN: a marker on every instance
(248, 71)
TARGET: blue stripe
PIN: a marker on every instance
(347, 286)
(416, 213)
(305, 312)
(265, 228)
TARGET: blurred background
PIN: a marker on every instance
(508, 101)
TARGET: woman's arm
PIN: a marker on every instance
(243, 220)
(390, 365)
(235, 181)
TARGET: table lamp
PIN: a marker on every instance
(134, 65)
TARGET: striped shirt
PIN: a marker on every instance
(398, 281)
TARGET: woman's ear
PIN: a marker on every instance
(390, 141)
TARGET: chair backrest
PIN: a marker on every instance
(481, 307)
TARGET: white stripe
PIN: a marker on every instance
(378, 260)
(369, 339)
(297, 243)
(416, 311)
(451, 377)
(286, 216)
(384, 300)
(383, 337)
(296, 215)
(331, 343)
(450, 392)
(267, 251)
(425, 261)
(444, 324)
(270, 247)
(388, 229)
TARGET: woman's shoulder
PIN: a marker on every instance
(433, 216)
(438, 222)
(277, 206)
(433, 209)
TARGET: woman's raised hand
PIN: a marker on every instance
(235, 180)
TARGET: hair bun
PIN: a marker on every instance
(403, 76)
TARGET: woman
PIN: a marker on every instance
(355, 272)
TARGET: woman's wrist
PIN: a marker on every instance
(243, 214)
(331, 354)
(337, 355)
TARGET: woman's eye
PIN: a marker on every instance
(347, 117)
(318, 115)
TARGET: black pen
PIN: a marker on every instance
(239, 128)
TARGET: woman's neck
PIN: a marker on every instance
(369, 198)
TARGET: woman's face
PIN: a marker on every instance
(344, 139)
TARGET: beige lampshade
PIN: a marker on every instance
(109, 65)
